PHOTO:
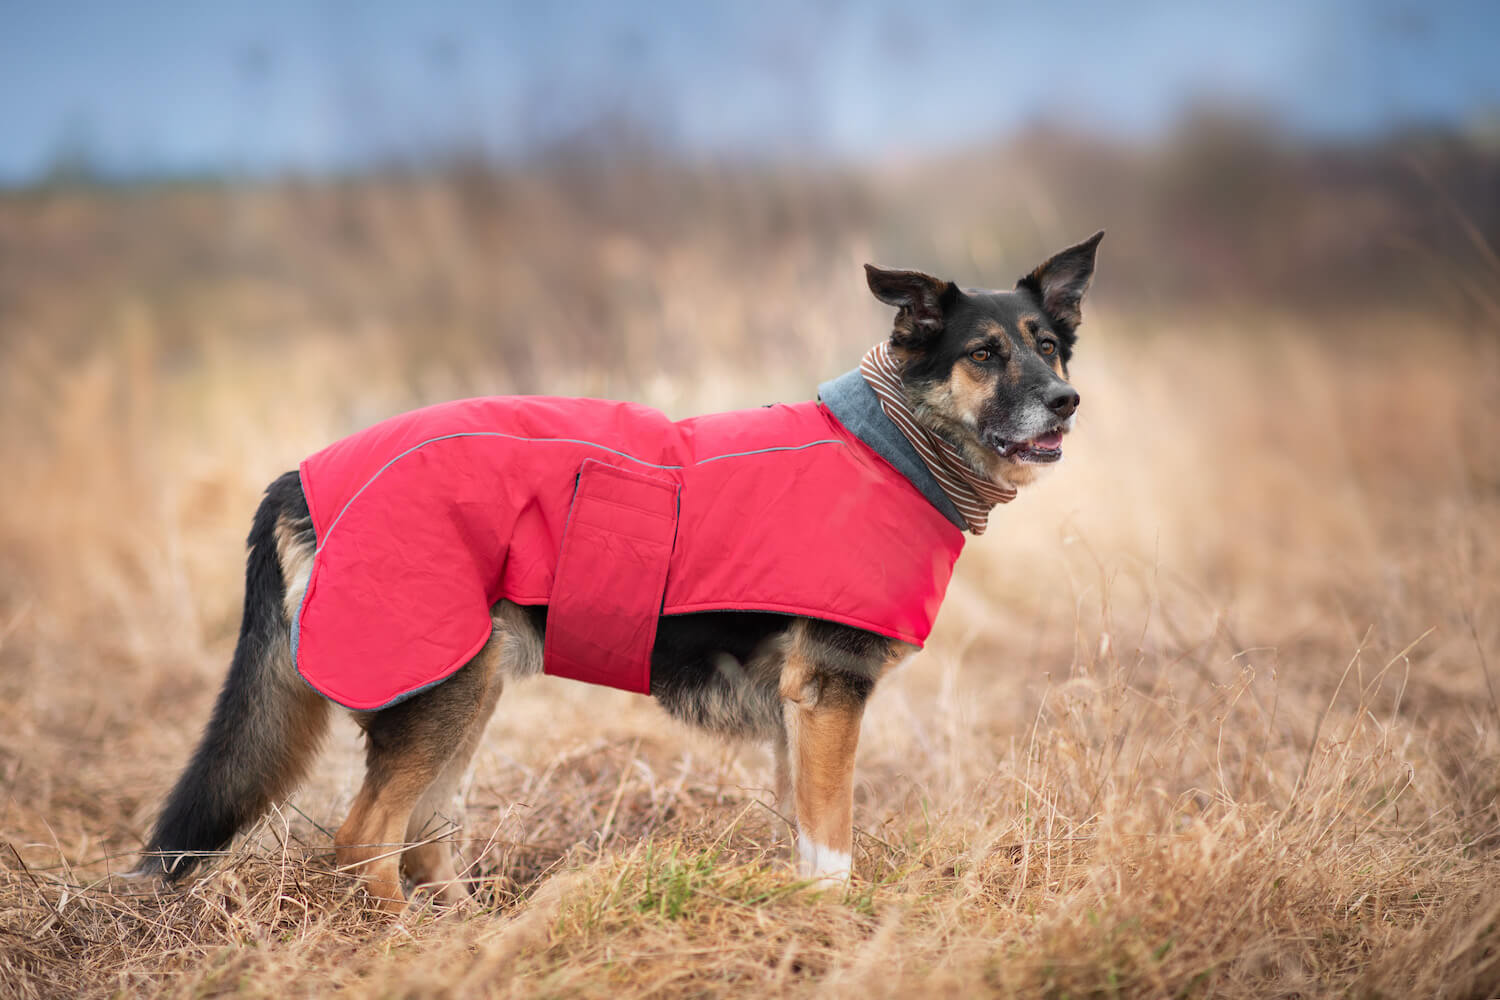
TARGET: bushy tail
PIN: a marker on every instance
(267, 723)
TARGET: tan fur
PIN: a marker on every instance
(900, 652)
(783, 774)
(985, 328)
(296, 558)
(1017, 474)
(969, 390)
(369, 843)
(822, 728)
(306, 722)
(519, 645)
(1027, 327)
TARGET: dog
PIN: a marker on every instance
(782, 640)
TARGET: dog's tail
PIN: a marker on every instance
(267, 723)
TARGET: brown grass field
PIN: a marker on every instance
(1209, 712)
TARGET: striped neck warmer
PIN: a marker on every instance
(971, 493)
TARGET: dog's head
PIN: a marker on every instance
(988, 371)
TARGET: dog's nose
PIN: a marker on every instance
(1063, 402)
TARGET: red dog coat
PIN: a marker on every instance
(611, 515)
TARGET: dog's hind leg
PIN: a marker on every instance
(429, 861)
(418, 751)
(410, 746)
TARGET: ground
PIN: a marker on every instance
(1208, 712)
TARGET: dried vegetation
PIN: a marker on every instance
(1211, 712)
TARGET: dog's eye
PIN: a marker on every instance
(1047, 348)
(980, 355)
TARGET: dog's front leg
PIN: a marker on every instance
(822, 710)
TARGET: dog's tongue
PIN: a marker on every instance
(1052, 440)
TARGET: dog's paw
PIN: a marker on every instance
(826, 867)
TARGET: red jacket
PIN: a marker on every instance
(611, 515)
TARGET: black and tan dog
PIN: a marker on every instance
(983, 374)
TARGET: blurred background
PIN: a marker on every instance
(231, 233)
(1280, 152)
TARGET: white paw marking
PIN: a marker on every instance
(829, 867)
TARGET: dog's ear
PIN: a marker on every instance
(1060, 282)
(920, 300)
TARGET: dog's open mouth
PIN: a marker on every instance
(1041, 449)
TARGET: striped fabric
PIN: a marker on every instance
(971, 493)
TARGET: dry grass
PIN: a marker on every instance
(1207, 713)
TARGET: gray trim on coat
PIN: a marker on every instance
(858, 408)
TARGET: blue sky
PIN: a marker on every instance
(158, 87)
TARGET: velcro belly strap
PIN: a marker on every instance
(611, 577)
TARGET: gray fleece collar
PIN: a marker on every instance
(857, 407)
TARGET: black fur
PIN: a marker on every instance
(850, 658)
(236, 771)
(715, 669)
(920, 300)
(1058, 286)
(721, 670)
(718, 670)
